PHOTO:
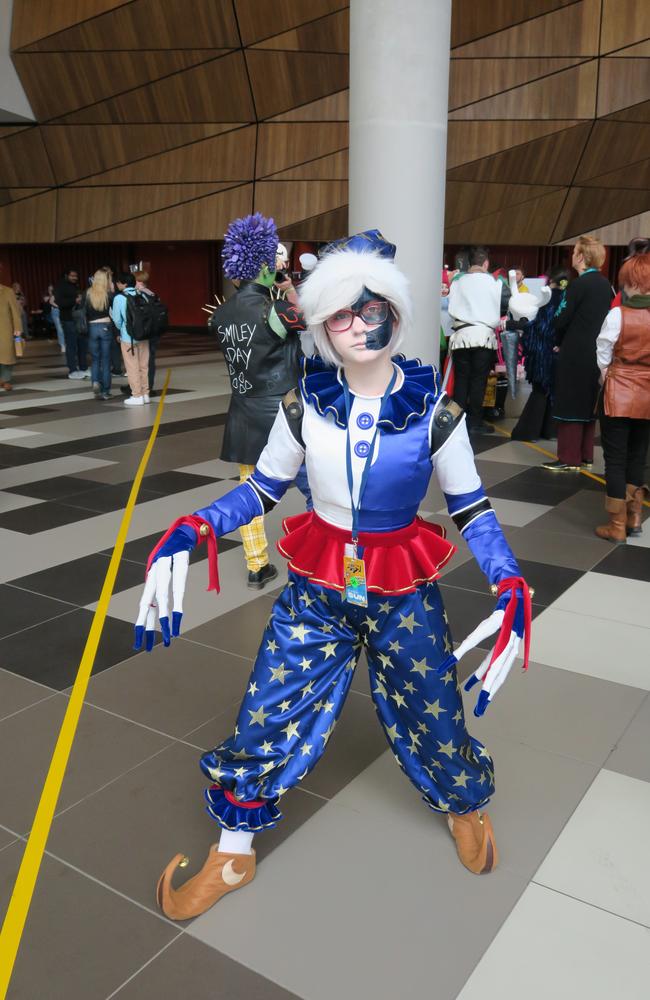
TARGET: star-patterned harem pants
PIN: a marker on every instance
(296, 692)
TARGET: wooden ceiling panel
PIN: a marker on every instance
(466, 201)
(328, 226)
(16, 194)
(636, 176)
(621, 232)
(34, 19)
(549, 160)
(151, 24)
(281, 80)
(569, 31)
(290, 201)
(335, 108)
(326, 34)
(474, 140)
(324, 168)
(57, 83)
(108, 146)
(637, 113)
(231, 156)
(587, 208)
(624, 22)
(23, 160)
(281, 146)
(471, 20)
(258, 21)
(214, 91)
(612, 145)
(641, 49)
(569, 94)
(622, 83)
(204, 219)
(529, 223)
(29, 221)
(471, 80)
(84, 210)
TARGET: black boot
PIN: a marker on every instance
(263, 576)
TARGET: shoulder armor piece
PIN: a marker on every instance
(294, 410)
(446, 417)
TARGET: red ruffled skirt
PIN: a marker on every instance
(396, 561)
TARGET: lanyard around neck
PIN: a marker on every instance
(356, 508)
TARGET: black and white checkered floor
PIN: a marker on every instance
(359, 893)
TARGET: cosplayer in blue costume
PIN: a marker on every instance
(371, 428)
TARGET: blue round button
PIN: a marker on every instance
(361, 449)
(365, 421)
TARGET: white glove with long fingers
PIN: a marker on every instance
(512, 621)
(169, 566)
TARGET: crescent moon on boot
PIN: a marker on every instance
(230, 876)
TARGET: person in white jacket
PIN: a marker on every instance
(475, 309)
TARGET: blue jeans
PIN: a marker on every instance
(76, 346)
(101, 338)
(55, 319)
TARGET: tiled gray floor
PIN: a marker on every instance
(104, 748)
(188, 965)
(631, 755)
(238, 631)
(17, 693)
(559, 548)
(608, 597)
(78, 581)
(21, 611)
(81, 940)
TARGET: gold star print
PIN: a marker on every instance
(427, 606)
(292, 613)
(447, 748)
(285, 761)
(272, 645)
(252, 688)
(433, 638)
(281, 791)
(327, 629)
(306, 599)
(236, 730)
(216, 774)
(420, 667)
(241, 754)
(399, 699)
(291, 730)
(370, 623)
(414, 738)
(305, 664)
(299, 632)
(329, 649)
(317, 706)
(266, 769)
(430, 773)
(422, 726)
(385, 608)
(326, 735)
(437, 765)
(410, 687)
(266, 747)
(442, 806)
(305, 749)
(259, 717)
(412, 748)
(395, 646)
(458, 717)
(240, 772)
(447, 678)
(380, 689)
(385, 660)
(308, 689)
(409, 622)
(460, 781)
(448, 645)
(328, 706)
(444, 615)
(279, 673)
(483, 753)
(434, 708)
(481, 780)
(284, 707)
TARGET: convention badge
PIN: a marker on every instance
(354, 572)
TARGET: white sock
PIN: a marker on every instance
(235, 841)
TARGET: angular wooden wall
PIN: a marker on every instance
(163, 119)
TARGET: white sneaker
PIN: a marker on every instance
(134, 401)
(76, 375)
(146, 399)
(85, 374)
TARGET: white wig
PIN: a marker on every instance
(338, 280)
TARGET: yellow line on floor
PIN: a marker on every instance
(14, 922)
(536, 447)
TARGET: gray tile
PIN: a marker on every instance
(578, 515)
(6, 838)
(21, 611)
(17, 693)
(79, 581)
(174, 690)
(559, 548)
(211, 975)
(238, 631)
(163, 799)
(560, 712)
(104, 748)
(492, 473)
(80, 940)
(631, 755)
(376, 876)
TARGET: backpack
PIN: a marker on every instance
(146, 316)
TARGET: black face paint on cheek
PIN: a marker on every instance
(377, 337)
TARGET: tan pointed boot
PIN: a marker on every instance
(614, 530)
(635, 495)
(220, 874)
(475, 843)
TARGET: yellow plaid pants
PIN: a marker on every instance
(256, 547)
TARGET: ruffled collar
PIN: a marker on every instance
(322, 388)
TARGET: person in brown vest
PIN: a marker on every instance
(623, 354)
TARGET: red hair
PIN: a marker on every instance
(635, 273)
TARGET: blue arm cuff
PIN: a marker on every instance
(234, 509)
(489, 547)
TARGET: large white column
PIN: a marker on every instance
(399, 80)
